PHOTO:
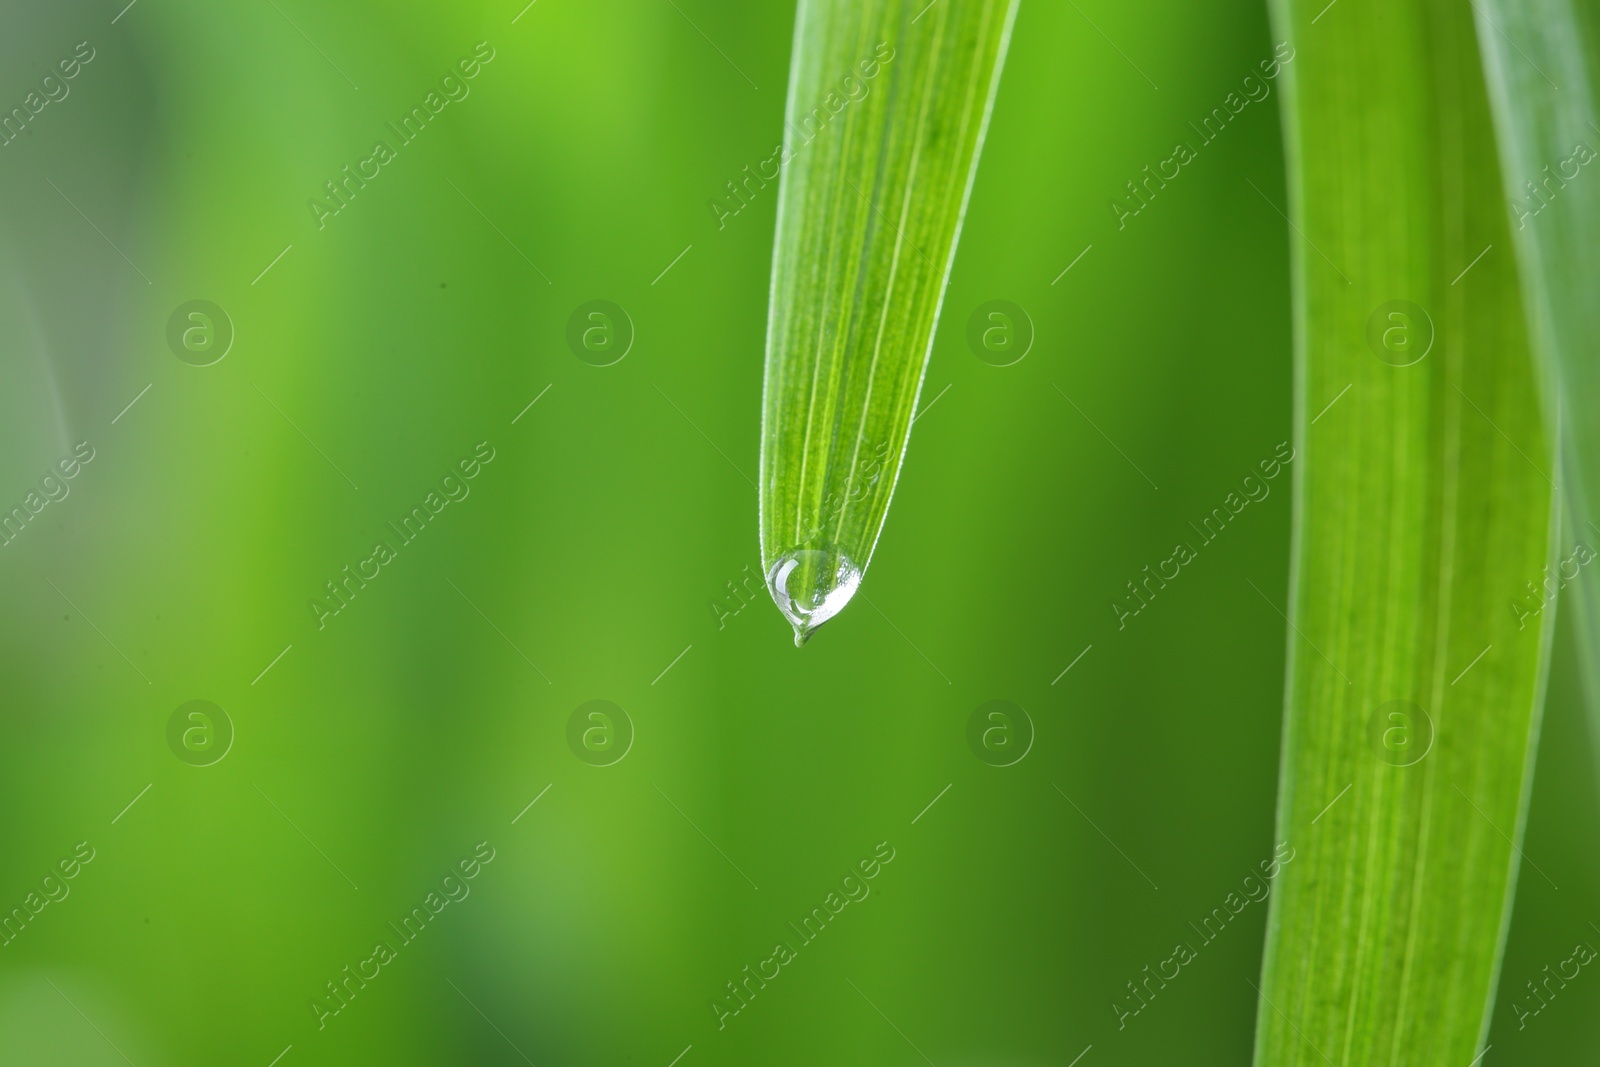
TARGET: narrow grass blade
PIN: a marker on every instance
(888, 103)
(1542, 62)
(1423, 503)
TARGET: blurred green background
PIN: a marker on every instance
(592, 558)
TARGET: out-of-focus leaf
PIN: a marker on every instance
(1542, 61)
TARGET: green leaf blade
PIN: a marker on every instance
(888, 104)
(1423, 502)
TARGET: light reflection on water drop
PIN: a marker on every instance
(811, 586)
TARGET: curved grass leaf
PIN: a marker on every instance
(888, 103)
(1542, 62)
(1422, 506)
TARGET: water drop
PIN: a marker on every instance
(811, 586)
